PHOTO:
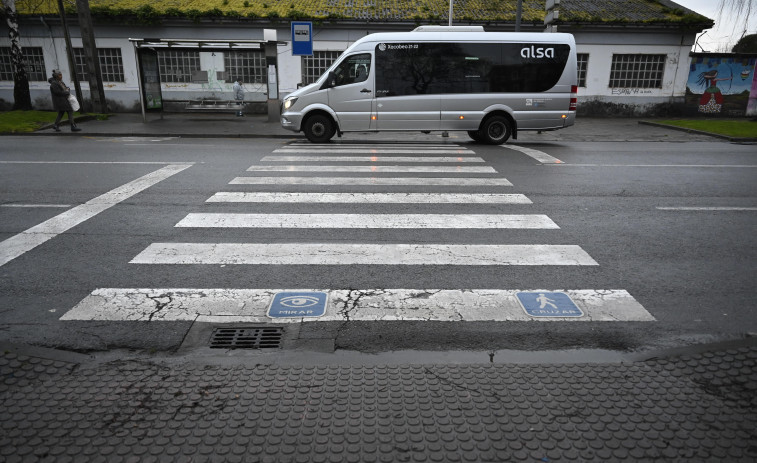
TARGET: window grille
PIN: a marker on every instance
(111, 64)
(314, 66)
(583, 65)
(637, 71)
(6, 64)
(178, 65)
(35, 64)
(33, 58)
(249, 65)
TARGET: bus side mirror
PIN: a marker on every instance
(330, 81)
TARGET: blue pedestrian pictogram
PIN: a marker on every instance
(548, 304)
(298, 304)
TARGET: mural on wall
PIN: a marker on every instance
(721, 84)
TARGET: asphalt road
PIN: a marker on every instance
(670, 223)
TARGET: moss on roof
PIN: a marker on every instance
(153, 11)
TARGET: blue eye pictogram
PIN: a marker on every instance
(299, 301)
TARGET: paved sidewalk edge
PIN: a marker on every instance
(747, 340)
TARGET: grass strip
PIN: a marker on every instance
(739, 128)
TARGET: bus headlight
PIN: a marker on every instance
(289, 102)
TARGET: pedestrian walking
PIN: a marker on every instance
(239, 95)
(61, 93)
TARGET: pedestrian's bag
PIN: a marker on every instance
(73, 102)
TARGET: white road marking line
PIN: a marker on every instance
(251, 305)
(33, 237)
(417, 159)
(36, 205)
(378, 169)
(361, 254)
(540, 156)
(369, 198)
(373, 221)
(707, 208)
(704, 166)
(189, 163)
(368, 181)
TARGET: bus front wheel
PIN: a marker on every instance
(496, 130)
(475, 135)
(319, 128)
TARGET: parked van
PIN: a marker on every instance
(442, 78)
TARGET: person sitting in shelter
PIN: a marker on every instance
(239, 95)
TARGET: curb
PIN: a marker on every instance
(700, 132)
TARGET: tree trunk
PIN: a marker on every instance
(96, 89)
(22, 99)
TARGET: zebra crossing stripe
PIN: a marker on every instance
(361, 254)
(404, 221)
(368, 198)
(378, 169)
(418, 159)
(369, 181)
(440, 305)
(332, 146)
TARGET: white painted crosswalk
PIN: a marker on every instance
(224, 305)
(415, 221)
(373, 181)
(378, 169)
(368, 198)
(447, 166)
(362, 254)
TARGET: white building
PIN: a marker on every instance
(633, 54)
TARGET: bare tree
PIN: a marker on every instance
(742, 9)
(21, 97)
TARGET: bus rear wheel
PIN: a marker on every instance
(319, 128)
(496, 130)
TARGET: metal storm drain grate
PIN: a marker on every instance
(248, 337)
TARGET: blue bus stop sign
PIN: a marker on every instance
(298, 304)
(302, 38)
(548, 304)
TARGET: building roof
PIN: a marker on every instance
(434, 11)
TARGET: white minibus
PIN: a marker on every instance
(442, 78)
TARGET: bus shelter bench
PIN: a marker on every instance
(217, 106)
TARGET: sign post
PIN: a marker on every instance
(302, 38)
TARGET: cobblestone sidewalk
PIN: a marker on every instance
(698, 407)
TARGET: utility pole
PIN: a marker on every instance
(450, 11)
(96, 90)
(70, 54)
(518, 15)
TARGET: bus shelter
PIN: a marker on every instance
(148, 70)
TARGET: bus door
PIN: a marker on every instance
(352, 95)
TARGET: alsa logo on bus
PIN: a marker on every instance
(534, 52)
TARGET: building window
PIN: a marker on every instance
(6, 65)
(35, 64)
(314, 66)
(583, 65)
(178, 65)
(249, 65)
(33, 59)
(637, 71)
(111, 64)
